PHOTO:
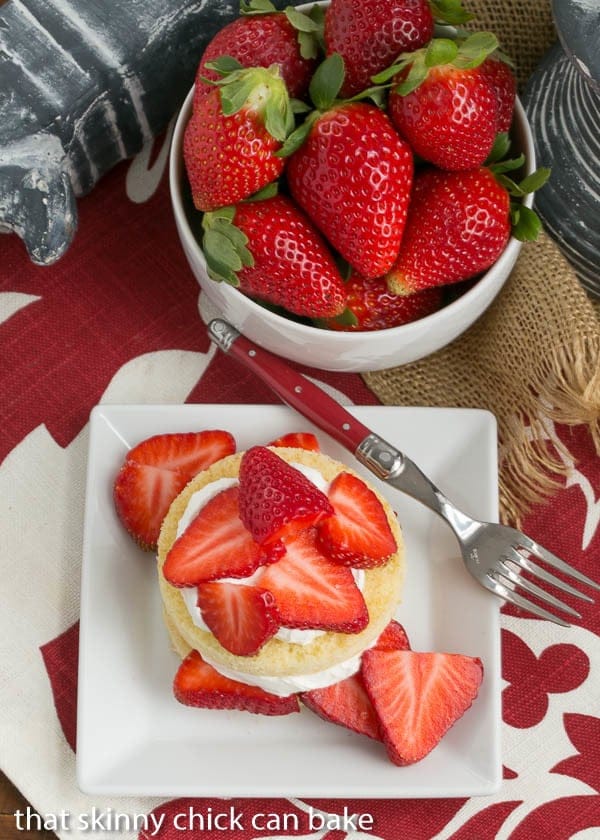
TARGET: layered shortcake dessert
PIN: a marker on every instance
(280, 571)
(280, 566)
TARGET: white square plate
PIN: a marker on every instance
(133, 738)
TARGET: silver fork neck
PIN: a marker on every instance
(395, 468)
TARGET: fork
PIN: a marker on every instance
(495, 555)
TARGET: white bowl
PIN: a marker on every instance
(341, 351)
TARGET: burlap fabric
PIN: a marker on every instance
(535, 353)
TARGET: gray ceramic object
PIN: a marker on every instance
(562, 100)
(83, 84)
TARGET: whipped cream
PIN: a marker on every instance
(281, 685)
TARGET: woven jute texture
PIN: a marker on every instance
(535, 353)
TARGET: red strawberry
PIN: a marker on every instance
(261, 40)
(298, 440)
(232, 138)
(188, 452)
(393, 637)
(358, 534)
(353, 176)
(282, 259)
(214, 545)
(276, 500)
(241, 617)
(312, 592)
(371, 306)
(418, 697)
(458, 225)
(501, 78)
(347, 702)
(154, 473)
(370, 34)
(197, 683)
(444, 105)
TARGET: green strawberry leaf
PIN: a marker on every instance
(347, 318)
(475, 49)
(500, 148)
(385, 75)
(267, 192)
(224, 246)
(224, 65)
(416, 76)
(310, 32)
(256, 7)
(449, 11)
(510, 186)
(509, 165)
(327, 81)
(294, 140)
(300, 21)
(527, 226)
(440, 51)
(299, 106)
(537, 179)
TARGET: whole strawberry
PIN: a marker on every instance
(352, 174)
(371, 306)
(231, 141)
(444, 105)
(272, 251)
(500, 76)
(370, 34)
(262, 37)
(459, 223)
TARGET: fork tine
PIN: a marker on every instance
(552, 560)
(536, 590)
(525, 604)
(530, 566)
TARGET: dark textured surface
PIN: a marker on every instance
(564, 112)
(83, 85)
(578, 26)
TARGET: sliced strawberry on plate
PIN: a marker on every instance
(188, 452)
(393, 637)
(277, 500)
(312, 592)
(154, 473)
(298, 440)
(197, 683)
(418, 697)
(347, 704)
(214, 545)
(358, 534)
(241, 617)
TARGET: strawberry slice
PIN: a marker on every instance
(393, 637)
(298, 440)
(418, 697)
(241, 617)
(198, 684)
(312, 592)
(187, 452)
(154, 473)
(214, 545)
(277, 500)
(347, 703)
(359, 533)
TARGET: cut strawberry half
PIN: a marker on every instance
(358, 534)
(347, 704)
(198, 684)
(154, 473)
(298, 440)
(242, 618)
(142, 496)
(393, 637)
(418, 697)
(214, 545)
(312, 592)
(186, 452)
(277, 500)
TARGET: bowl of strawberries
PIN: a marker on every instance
(352, 181)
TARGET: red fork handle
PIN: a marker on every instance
(292, 387)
